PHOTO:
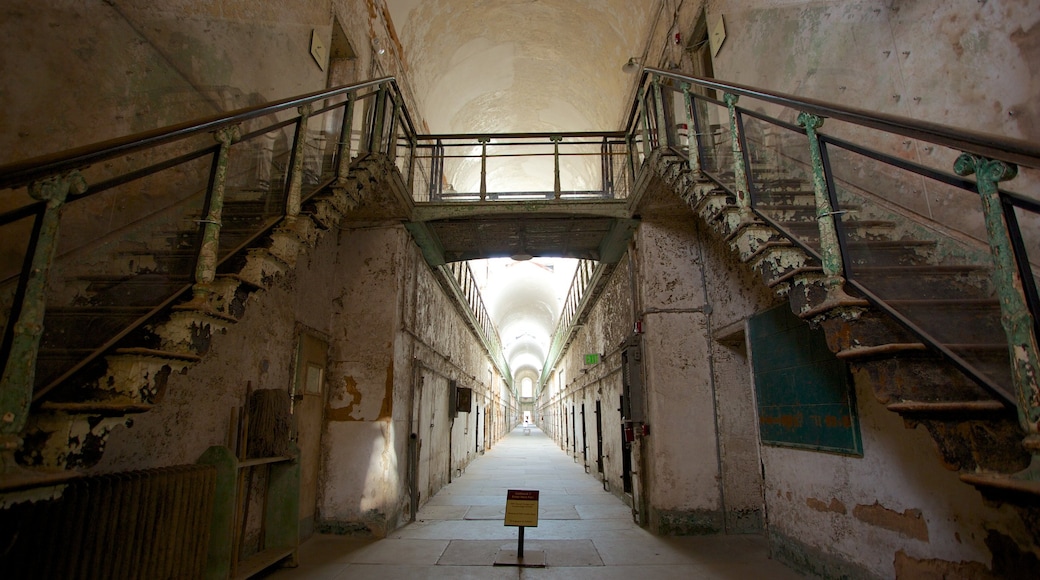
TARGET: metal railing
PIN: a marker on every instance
(521, 166)
(165, 210)
(466, 285)
(875, 212)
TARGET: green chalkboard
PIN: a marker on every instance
(805, 398)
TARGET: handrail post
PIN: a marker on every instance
(483, 166)
(693, 132)
(830, 249)
(1015, 316)
(375, 144)
(391, 146)
(347, 127)
(556, 166)
(206, 264)
(739, 169)
(295, 193)
(662, 119)
(646, 124)
(19, 376)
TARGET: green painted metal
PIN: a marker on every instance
(206, 266)
(222, 526)
(804, 395)
(662, 119)
(375, 143)
(282, 516)
(693, 139)
(556, 165)
(343, 167)
(295, 195)
(16, 388)
(1015, 316)
(739, 169)
(641, 99)
(830, 250)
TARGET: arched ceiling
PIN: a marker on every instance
(492, 66)
(500, 66)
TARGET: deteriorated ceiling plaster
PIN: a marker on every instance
(495, 66)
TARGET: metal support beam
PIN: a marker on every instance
(206, 264)
(295, 193)
(1015, 316)
(739, 169)
(483, 166)
(16, 388)
(556, 165)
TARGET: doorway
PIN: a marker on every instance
(308, 394)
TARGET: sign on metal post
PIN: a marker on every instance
(522, 508)
(521, 511)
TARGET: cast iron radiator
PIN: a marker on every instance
(140, 524)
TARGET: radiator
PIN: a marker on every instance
(150, 524)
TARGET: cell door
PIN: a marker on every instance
(626, 456)
(584, 440)
(599, 437)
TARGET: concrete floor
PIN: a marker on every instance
(584, 531)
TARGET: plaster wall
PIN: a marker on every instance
(683, 495)
(395, 319)
(572, 382)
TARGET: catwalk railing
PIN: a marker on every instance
(521, 167)
(872, 199)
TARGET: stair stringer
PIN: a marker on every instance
(972, 431)
(68, 430)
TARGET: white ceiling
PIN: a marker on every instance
(496, 66)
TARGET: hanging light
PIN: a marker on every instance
(632, 65)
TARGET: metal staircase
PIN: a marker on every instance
(158, 255)
(936, 313)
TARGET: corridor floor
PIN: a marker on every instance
(585, 532)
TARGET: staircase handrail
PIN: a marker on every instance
(992, 159)
(21, 173)
(1019, 151)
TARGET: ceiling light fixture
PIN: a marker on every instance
(632, 65)
(521, 257)
(377, 45)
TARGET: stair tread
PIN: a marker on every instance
(946, 406)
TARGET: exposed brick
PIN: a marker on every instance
(910, 523)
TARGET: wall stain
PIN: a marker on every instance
(388, 398)
(910, 523)
(909, 567)
(346, 413)
(835, 505)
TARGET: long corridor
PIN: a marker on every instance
(584, 531)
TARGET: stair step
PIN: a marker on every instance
(97, 407)
(1003, 487)
(141, 290)
(956, 320)
(946, 407)
(926, 281)
(86, 327)
(861, 231)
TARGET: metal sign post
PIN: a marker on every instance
(521, 511)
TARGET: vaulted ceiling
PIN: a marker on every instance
(496, 66)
